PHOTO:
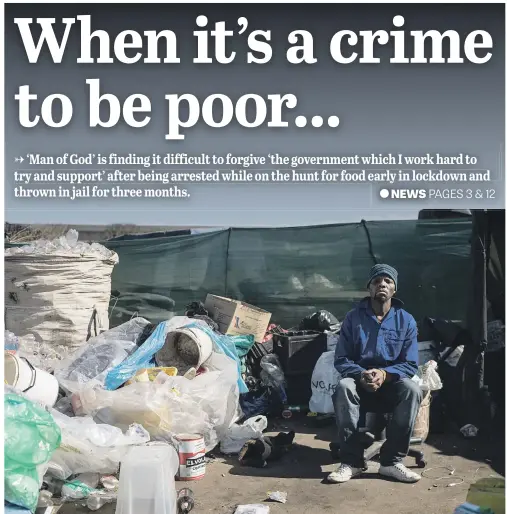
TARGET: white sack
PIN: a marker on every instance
(59, 298)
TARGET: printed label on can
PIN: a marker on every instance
(194, 461)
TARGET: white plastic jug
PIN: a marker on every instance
(147, 481)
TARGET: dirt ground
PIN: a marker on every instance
(302, 475)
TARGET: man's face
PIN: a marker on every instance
(382, 288)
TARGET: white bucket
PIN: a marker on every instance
(192, 453)
(197, 348)
(36, 384)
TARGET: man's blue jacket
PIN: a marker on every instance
(366, 343)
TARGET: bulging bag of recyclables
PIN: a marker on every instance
(144, 356)
(206, 404)
(90, 365)
(30, 437)
(63, 283)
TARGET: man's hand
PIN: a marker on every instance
(372, 379)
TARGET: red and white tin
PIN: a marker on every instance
(192, 454)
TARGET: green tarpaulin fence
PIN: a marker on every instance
(293, 272)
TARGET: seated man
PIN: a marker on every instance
(377, 356)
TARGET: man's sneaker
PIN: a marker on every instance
(399, 472)
(343, 473)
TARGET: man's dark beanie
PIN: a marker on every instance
(384, 270)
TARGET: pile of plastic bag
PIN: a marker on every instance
(206, 405)
(30, 438)
(90, 447)
(116, 394)
(98, 381)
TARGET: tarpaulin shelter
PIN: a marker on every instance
(292, 272)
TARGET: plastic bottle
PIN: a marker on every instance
(290, 409)
(11, 342)
(185, 500)
(45, 499)
(469, 508)
(96, 501)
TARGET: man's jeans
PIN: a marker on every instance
(402, 397)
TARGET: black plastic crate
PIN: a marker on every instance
(299, 389)
(299, 351)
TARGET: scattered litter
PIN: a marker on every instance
(450, 470)
(257, 453)
(449, 476)
(99, 498)
(238, 435)
(469, 508)
(45, 499)
(110, 483)
(11, 342)
(81, 488)
(277, 496)
(469, 431)
(255, 508)
(40, 355)
(185, 500)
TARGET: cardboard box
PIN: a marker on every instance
(237, 318)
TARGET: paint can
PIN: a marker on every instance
(192, 454)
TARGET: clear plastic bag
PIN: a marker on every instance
(428, 378)
(238, 435)
(30, 437)
(88, 447)
(272, 374)
(90, 365)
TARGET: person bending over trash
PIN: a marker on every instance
(377, 356)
